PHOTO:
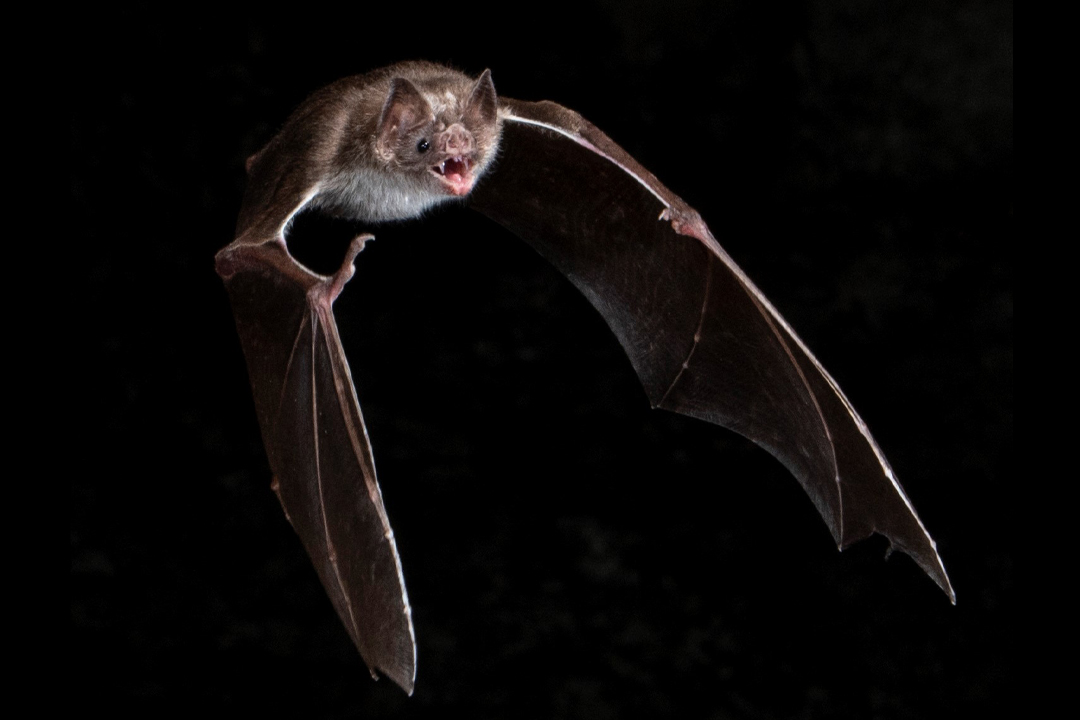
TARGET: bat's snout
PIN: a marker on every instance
(456, 140)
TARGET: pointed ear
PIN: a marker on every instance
(482, 106)
(404, 109)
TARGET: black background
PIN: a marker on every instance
(568, 552)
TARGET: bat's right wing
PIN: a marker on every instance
(703, 339)
(318, 447)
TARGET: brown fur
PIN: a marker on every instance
(337, 152)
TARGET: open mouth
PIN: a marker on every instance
(456, 174)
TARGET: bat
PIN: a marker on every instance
(704, 341)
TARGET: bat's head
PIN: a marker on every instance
(441, 129)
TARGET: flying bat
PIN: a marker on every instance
(705, 342)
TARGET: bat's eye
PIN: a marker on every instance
(422, 146)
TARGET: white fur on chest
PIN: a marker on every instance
(377, 195)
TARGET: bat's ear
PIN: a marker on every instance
(482, 106)
(405, 109)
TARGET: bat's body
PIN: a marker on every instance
(703, 339)
(383, 146)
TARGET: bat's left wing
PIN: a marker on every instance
(703, 339)
(318, 447)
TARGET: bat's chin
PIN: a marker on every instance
(456, 175)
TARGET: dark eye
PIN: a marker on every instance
(422, 146)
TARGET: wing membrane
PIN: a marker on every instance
(324, 474)
(702, 338)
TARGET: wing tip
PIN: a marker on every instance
(403, 677)
(942, 581)
(929, 562)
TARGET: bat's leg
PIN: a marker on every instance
(323, 294)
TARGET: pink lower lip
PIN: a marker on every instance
(460, 186)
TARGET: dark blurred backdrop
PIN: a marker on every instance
(568, 552)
